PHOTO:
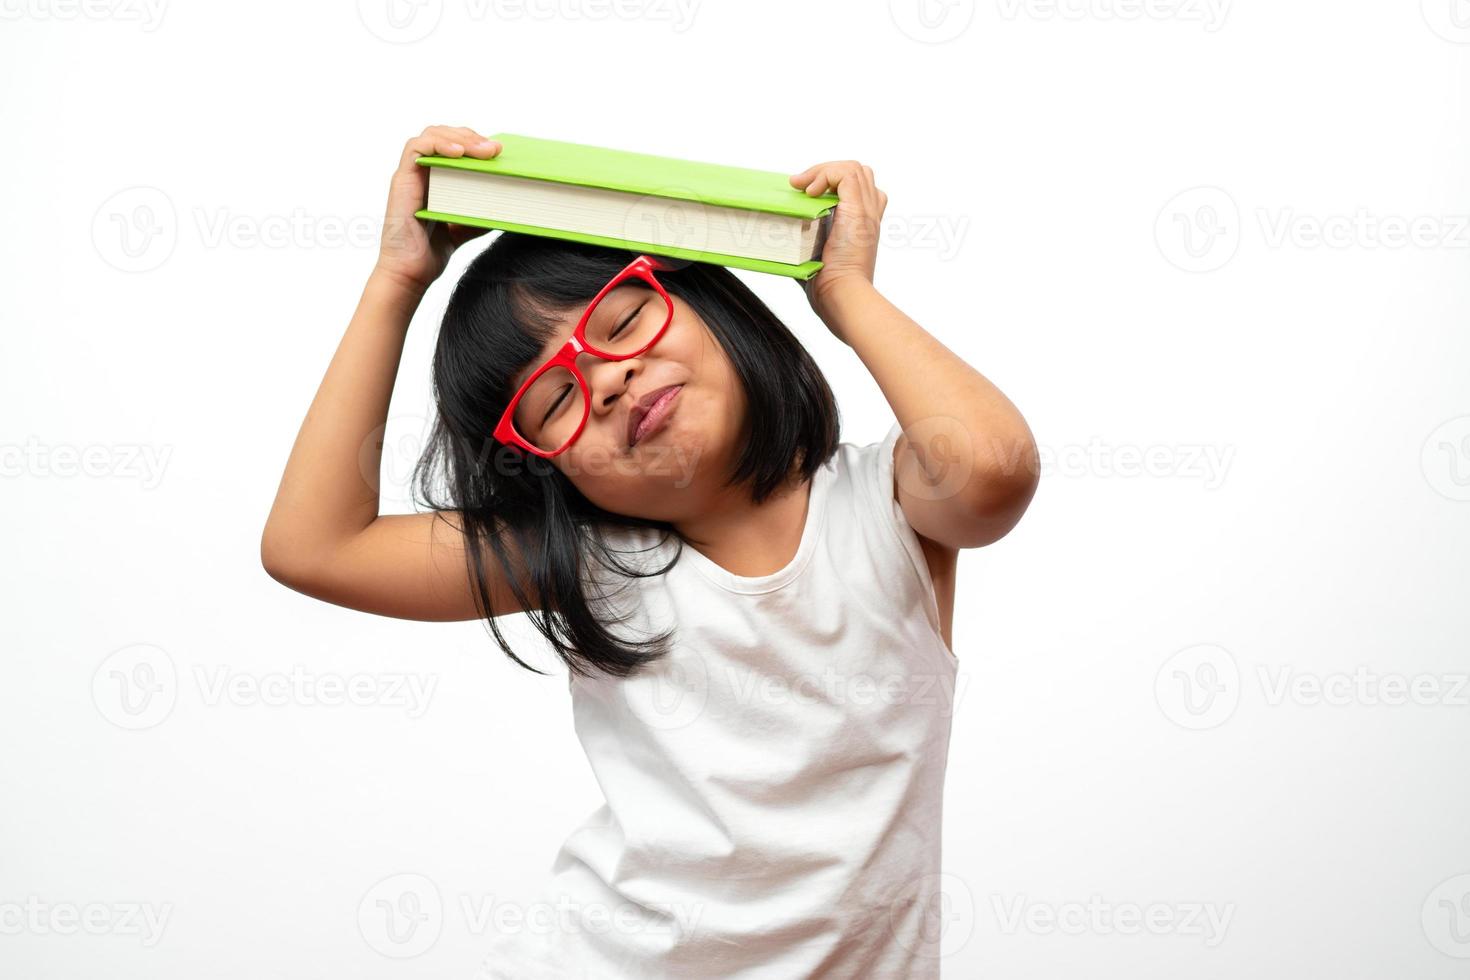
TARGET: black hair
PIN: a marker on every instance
(498, 319)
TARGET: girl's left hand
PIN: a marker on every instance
(851, 250)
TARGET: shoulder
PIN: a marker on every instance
(864, 471)
(864, 489)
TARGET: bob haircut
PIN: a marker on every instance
(502, 312)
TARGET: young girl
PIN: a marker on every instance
(755, 617)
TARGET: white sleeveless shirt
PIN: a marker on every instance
(774, 785)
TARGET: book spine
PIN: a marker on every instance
(824, 227)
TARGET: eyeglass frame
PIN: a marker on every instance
(642, 267)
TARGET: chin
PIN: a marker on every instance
(671, 455)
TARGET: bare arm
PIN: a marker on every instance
(324, 536)
(966, 466)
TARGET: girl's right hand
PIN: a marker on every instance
(415, 251)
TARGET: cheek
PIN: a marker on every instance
(681, 342)
(697, 351)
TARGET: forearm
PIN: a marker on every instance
(950, 412)
(329, 490)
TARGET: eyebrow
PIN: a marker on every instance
(520, 376)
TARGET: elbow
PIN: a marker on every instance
(279, 560)
(275, 567)
(1011, 504)
(1003, 495)
(988, 522)
(977, 505)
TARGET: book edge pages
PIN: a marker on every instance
(778, 198)
(672, 222)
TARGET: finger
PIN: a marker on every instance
(434, 142)
(827, 177)
(476, 144)
(838, 177)
(805, 177)
(447, 141)
(443, 135)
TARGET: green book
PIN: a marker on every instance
(683, 209)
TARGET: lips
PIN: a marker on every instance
(640, 410)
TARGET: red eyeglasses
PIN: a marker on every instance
(550, 409)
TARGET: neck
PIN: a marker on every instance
(749, 539)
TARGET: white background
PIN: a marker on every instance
(1216, 252)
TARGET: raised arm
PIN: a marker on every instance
(967, 465)
(324, 536)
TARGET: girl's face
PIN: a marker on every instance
(693, 438)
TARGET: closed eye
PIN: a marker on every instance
(556, 404)
(629, 318)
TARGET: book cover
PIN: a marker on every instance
(643, 174)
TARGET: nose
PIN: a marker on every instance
(606, 380)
